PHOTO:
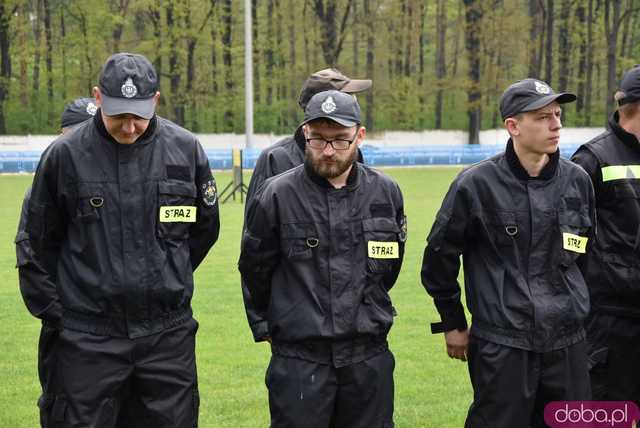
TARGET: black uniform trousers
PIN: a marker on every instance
(305, 394)
(511, 386)
(614, 357)
(106, 381)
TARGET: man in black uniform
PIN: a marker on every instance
(612, 268)
(520, 220)
(323, 245)
(122, 211)
(289, 153)
(38, 291)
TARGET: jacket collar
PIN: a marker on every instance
(143, 139)
(518, 170)
(627, 138)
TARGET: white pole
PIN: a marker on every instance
(248, 75)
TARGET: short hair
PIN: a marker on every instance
(627, 110)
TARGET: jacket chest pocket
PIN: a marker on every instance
(574, 229)
(381, 236)
(503, 228)
(299, 240)
(90, 202)
(177, 210)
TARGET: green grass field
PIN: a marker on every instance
(431, 389)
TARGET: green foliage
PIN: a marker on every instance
(289, 45)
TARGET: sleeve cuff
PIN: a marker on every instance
(452, 316)
(260, 331)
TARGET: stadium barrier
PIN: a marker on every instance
(221, 159)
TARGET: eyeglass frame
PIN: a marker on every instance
(330, 142)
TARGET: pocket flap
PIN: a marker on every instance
(181, 188)
(574, 218)
(87, 190)
(298, 230)
(502, 218)
(380, 224)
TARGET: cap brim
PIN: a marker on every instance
(561, 98)
(356, 85)
(339, 120)
(112, 106)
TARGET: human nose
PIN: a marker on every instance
(328, 149)
(128, 126)
(556, 123)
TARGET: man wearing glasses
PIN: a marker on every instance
(323, 245)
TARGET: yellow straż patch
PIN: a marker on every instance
(178, 214)
(383, 250)
(575, 243)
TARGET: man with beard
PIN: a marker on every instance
(323, 245)
(289, 153)
(612, 269)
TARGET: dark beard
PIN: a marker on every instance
(319, 166)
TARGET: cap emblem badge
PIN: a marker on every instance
(92, 109)
(543, 89)
(129, 90)
(329, 106)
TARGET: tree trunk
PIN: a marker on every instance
(581, 16)
(422, 99)
(269, 54)
(293, 59)
(548, 72)
(256, 51)
(371, 29)
(355, 34)
(535, 31)
(177, 101)
(564, 50)
(441, 65)
(37, 31)
(227, 20)
(611, 24)
(473, 19)
(48, 55)
(332, 35)
(456, 43)
(588, 86)
(5, 62)
(121, 7)
(63, 44)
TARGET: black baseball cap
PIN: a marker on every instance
(630, 86)
(528, 95)
(128, 83)
(327, 79)
(337, 106)
(78, 111)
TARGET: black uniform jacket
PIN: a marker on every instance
(36, 285)
(280, 157)
(120, 228)
(519, 238)
(612, 268)
(319, 261)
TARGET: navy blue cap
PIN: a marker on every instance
(128, 84)
(529, 95)
(334, 105)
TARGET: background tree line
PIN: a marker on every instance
(436, 64)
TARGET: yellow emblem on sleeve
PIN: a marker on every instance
(383, 250)
(178, 214)
(575, 243)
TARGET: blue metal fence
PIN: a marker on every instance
(27, 161)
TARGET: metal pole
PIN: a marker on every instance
(248, 75)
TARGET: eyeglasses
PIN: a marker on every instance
(336, 144)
